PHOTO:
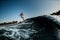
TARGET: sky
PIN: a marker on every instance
(11, 9)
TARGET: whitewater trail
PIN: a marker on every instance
(16, 32)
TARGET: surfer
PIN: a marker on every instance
(22, 16)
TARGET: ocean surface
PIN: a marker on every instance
(20, 31)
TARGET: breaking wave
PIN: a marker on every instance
(22, 31)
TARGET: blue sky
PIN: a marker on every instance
(10, 9)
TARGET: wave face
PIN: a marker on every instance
(38, 28)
